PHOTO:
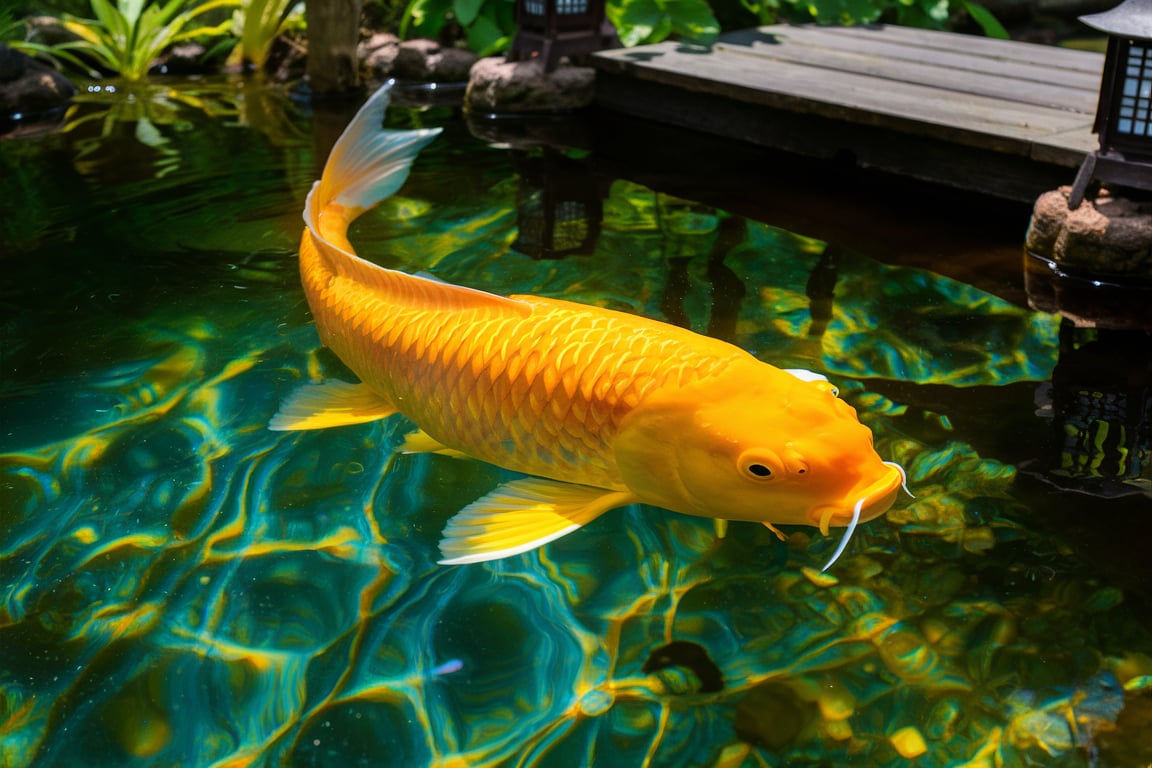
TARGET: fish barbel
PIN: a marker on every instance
(600, 408)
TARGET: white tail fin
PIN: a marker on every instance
(367, 164)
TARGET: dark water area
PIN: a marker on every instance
(181, 586)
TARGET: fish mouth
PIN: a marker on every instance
(863, 504)
(871, 502)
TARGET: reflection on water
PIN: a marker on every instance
(183, 587)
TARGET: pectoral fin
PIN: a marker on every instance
(421, 442)
(330, 404)
(522, 515)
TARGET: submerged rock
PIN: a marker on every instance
(772, 715)
(683, 667)
(1127, 743)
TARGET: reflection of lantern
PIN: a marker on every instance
(1124, 112)
(555, 28)
(558, 208)
(1102, 411)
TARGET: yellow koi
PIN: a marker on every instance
(601, 408)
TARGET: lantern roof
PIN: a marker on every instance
(1132, 18)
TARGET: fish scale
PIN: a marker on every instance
(440, 364)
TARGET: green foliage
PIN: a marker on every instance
(929, 14)
(649, 21)
(10, 27)
(383, 14)
(984, 18)
(128, 35)
(487, 25)
(257, 23)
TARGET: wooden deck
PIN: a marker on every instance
(1012, 119)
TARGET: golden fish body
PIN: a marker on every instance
(603, 408)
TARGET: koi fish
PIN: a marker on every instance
(599, 408)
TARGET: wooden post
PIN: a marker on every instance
(333, 32)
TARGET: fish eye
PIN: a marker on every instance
(759, 465)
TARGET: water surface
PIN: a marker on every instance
(181, 586)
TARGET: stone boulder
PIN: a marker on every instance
(384, 55)
(378, 54)
(1110, 235)
(497, 85)
(29, 90)
(428, 61)
(183, 59)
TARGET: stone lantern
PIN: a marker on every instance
(1124, 112)
(554, 28)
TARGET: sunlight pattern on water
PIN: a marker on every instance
(183, 587)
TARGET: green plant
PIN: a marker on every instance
(639, 22)
(930, 14)
(256, 23)
(9, 26)
(128, 36)
(487, 25)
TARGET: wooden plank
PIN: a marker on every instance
(1011, 176)
(946, 78)
(1059, 147)
(1004, 50)
(1009, 119)
(894, 48)
(910, 108)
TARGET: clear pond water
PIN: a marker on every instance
(180, 586)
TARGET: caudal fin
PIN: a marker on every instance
(368, 164)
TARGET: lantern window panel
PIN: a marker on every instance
(563, 7)
(1134, 110)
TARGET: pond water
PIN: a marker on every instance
(183, 587)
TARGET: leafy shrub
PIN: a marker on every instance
(126, 37)
(929, 14)
(488, 26)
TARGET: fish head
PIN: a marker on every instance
(758, 444)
